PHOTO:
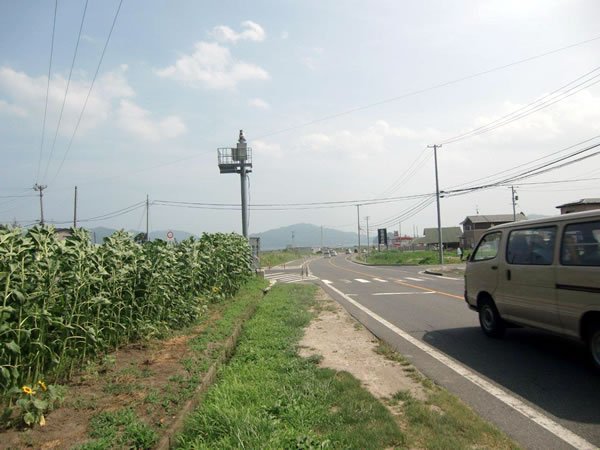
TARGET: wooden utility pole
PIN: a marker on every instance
(437, 196)
(40, 188)
(75, 210)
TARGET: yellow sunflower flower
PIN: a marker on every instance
(215, 289)
(42, 385)
(28, 390)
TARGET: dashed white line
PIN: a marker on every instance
(380, 280)
(545, 422)
(360, 280)
(405, 293)
(414, 279)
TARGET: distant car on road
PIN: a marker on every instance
(333, 253)
(326, 254)
(348, 251)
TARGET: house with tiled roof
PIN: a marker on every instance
(585, 204)
(475, 226)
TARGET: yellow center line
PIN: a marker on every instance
(402, 283)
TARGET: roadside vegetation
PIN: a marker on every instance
(129, 398)
(68, 302)
(276, 257)
(417, 257)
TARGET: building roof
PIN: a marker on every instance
(494, 218)
(449, 234)
(583, 201)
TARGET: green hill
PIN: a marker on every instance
(306, 235)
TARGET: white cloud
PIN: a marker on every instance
(213, 67)
(263, 148)
(259, 103)
(28, 95)
(12, 110)
(252, 31)
(137, 121)
(379, 138)
(311, 61)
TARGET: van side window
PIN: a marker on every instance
(534, 246)
(487, 248)
(581, 244)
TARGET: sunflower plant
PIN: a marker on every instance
(33, 401)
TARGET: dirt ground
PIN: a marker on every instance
(346, 345)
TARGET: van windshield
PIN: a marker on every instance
(487, 248)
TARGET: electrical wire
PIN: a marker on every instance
(421, 91)
(89, 91)
(506, 171)
(62, 108)
(533, 107)
(47, 92)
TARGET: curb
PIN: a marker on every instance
(208, 380)
(431, 272)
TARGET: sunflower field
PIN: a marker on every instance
(63, 302)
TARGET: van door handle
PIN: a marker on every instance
(508, 274)
(494, 267)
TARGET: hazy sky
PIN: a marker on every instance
(320, 90)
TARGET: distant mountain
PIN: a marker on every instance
(306, 235)
(537, 216)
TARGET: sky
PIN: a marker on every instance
(339, 101)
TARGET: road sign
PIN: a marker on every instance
(170, 235)
(382, 236)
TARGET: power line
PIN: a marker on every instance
(533, 107)
(89, 91)
(62, 108)
(421, 91)
(47, 91)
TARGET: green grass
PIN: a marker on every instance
(119, 429)
(269, 397)
(276, 257)
(418, 257)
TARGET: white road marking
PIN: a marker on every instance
(404, 293)
(326, 281)
(414, 279)
(346, 281)
(380, 280)
(545, 422)
(360, 280)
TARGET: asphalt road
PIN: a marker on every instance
(536, 387)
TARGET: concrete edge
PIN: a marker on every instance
(208, 380)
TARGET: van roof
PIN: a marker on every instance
(595, 213)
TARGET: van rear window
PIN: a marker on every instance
(581, 244)
(534, 246)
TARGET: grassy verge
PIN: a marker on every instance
(269, 397)
(417, 257)
(441, 420)
(276, 257)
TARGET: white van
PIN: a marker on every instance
(542, 273)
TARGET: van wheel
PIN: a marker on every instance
(594, 345)
(489, 318)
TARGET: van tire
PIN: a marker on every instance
(594, 345)
(489, 319)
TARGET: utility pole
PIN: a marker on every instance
(358, 215)
(437, 196)
(75, 210)
(293, 240)
(40, 188)
(238, 160)
(321, 237)
(147, 218)
(368, 239)
(514, 199)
